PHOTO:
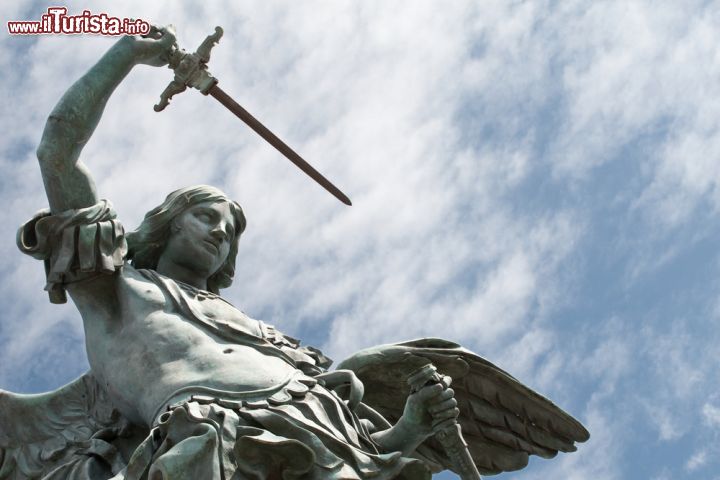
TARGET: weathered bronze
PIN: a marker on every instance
(184, 386)
(450, 434)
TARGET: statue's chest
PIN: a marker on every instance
(216, 311)
(172, 308)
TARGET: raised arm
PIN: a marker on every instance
(68, 183)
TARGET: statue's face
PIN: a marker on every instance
(201, 236)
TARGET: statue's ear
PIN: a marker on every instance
(174, 225)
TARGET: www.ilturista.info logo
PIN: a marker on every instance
(56, 20)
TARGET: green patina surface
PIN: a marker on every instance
(183, 385)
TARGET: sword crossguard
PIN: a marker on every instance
(190, 70)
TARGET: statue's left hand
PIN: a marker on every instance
(430, 409)
(151, 49)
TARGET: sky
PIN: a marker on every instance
(538, 181)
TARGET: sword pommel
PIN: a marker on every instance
(190, 70)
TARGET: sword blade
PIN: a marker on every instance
(279, 145)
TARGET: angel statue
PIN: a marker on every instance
(184, 386)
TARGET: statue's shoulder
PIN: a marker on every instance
(84, 246)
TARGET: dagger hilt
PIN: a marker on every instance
(450, 437)
(190, 70)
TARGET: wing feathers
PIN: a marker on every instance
(493, 457)
(502, 390)
(503, 435)
(48, 432)
(503, 421)
(539, 442)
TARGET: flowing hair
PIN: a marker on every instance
(147, 242)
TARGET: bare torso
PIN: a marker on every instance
(143, 349)
(141, 346)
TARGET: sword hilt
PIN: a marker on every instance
(450, 437)
(190, 70)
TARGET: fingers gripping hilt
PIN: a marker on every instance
(426, 375)
(190, 70)
(450, 437)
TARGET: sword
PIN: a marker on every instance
(191, 71)
(450, 436)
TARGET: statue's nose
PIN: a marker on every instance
(219, 233)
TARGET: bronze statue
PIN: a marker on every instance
(183, 385)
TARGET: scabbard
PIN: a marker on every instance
(450, 437)
(454, 444)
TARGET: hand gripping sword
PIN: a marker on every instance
(450, 437)
(191, 71)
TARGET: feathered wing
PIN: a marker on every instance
(502, 420)
(70, 433)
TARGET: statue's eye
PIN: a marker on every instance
(203, 216)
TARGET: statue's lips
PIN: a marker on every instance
(210, 243)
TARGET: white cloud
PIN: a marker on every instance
(711, 413)
(697, 461)
(468, 138)
(597, 459)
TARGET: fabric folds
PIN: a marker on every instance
(74, 244)
(310, 437)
